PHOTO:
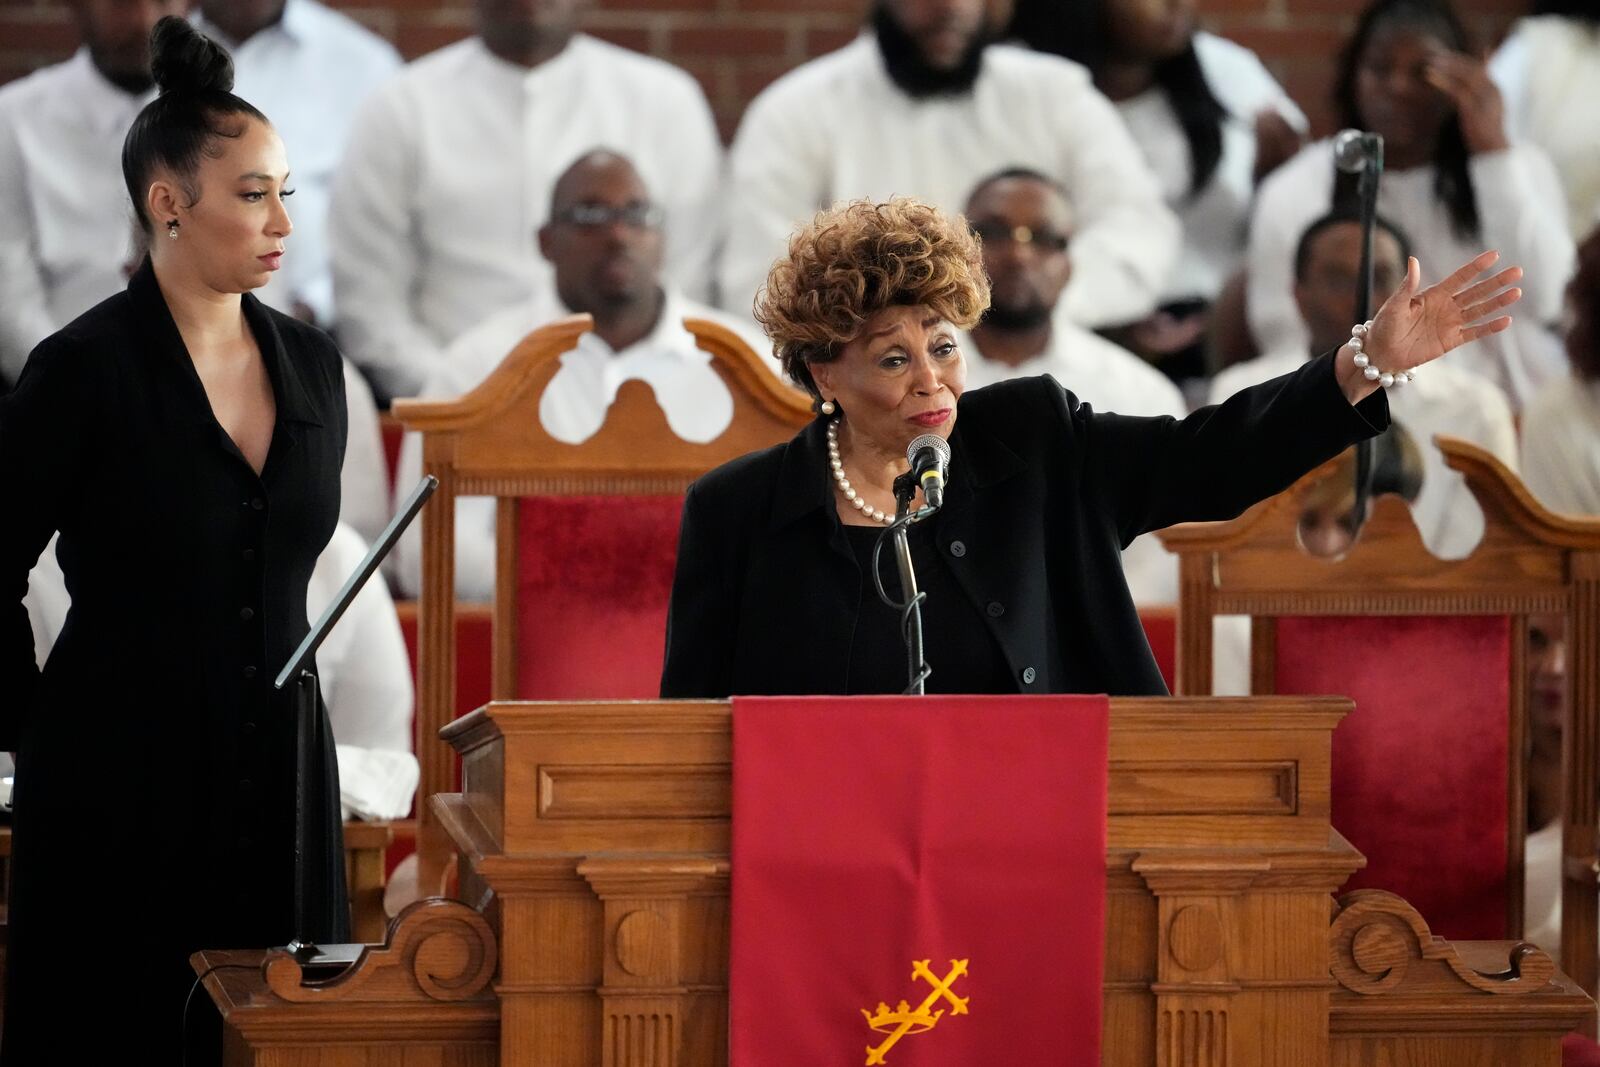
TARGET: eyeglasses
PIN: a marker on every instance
(995, 233)
(642, 216)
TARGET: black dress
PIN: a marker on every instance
(154, 795)
(1043, 496)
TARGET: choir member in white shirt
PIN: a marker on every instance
(604, 245)
(66, 230)
(1024, 221)
(450, 166)
(1211, 122)
(1548, 71)
(1446, 400)
(1452, 177)
(922, 104)
(1561, 428)
(310, 68)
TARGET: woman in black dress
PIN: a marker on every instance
(1022, 565)
(185, 441)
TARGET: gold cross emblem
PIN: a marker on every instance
(905, 1019)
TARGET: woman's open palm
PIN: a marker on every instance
(1416, 325)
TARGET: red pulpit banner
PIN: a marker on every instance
(917, 881)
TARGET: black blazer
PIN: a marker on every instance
(154, 798)
(1042, 496)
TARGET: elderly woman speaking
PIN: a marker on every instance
(774, 590)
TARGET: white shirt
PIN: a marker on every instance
(364, 478)
(693, 397)
(1109, 378)
(448, 177)
(1214, 219)
(837, 128)
(1561, 446)
(308, 74)
(1520, 207)
(1444, 399)
(1548, 71)
(66, 224)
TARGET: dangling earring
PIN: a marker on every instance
(172, 229)
(829, 407)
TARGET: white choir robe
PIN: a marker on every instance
(837, 128)
(1561, 446)
(1109, 378)
(1215, 217)
(448, 177)
(693, 397)
(1522, 216)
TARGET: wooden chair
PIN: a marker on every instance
(1433, 652)
(630, 475)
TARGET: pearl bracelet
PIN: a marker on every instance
(1358, 336)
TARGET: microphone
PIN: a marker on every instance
(1353, 150)
(929, 456)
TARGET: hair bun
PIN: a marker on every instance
(184, 60)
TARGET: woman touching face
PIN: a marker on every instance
(898, 379)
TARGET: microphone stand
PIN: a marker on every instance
(1367, 200)
(917, 669)
(314, 959)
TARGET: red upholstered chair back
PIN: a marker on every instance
(586, 534)
(1421, 768)
(595, 575)
(1428, 769)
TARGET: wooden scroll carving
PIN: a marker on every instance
(437, 950)
(1376, 938)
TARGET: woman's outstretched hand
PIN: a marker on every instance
(1416, 325)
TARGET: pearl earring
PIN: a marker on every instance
(172, 229)
(829, 407)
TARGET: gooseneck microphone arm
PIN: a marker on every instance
(929, 456)
(1360, 153)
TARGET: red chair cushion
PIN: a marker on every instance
(1420, 767)
(1579, 1051)
(595, 578)
(1161, 630)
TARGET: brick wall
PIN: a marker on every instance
(735, 47)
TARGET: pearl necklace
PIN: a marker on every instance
(845, 488)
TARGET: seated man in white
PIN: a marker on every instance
(66, 230)
(1445, 400)
(1024, 221)
(449, 169)
(923, 104)
(308, 68)
(604, 243)
(363, 669)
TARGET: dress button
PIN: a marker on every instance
(258, 503)
(249, 554)
(247, 729)
(246, 842)
(958, 549)
(246, 614)
(245, 785)
(250, 671)
(995, 609)
(1028, 675)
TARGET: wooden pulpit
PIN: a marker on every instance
(593, 857)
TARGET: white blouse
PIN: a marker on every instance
(1520, 204)
(1213, 219)
(837, 128)
(448, 177)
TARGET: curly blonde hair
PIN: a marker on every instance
(858, 258)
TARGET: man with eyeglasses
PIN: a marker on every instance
(1025, 224)
(604, 243)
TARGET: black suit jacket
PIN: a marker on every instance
(1043, 494)
(155, 761)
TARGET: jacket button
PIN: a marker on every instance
(245, 785)
(1028, 675)
(248, 729)
(246, 614)
(958, 549)
(995, 609)
(250, 672)
(249, 555)
(258, 503)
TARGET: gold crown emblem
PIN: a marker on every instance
(903, 1019)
